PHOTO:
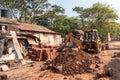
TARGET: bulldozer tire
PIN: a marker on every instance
(106, 47)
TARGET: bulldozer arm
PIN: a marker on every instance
(72, 38)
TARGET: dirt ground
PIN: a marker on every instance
(109, 63)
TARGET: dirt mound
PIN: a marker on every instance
(71, 62)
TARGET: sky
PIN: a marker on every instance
(69, 5)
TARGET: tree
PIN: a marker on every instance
(81, 12)
(28, 9)
(51, 17)
(55, 20)
(97, 15)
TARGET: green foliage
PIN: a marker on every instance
(99, 16)
(28, 9)
(54, 19)
(59, 23)
(113, 28)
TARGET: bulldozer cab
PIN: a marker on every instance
(92, 41)
(91, 35)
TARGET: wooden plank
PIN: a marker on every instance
(16, 45)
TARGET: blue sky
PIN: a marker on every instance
(69, 5)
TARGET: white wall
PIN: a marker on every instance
(49, 39)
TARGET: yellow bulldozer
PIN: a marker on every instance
(87, 40)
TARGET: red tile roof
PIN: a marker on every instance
(7, 21)
(25, 26)
(37, 28)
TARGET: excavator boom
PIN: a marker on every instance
(75, 38)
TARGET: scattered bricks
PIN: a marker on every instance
(39, 54)
(44, 55)
(41, 46)
(35, 52)
(29, 53)
(38, 59)
(30, 49)
(54, 53)
(48, 54)
(33, 45)
(51, 56)
(49, 46)
(33, 57)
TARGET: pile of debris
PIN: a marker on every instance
(71, 62)
(41, 53)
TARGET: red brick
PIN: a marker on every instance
(54, 53)
(51, 56)
(38, 59)
(44, 55)
(33, 57)
(39, 54)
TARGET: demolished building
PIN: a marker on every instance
(24, 35)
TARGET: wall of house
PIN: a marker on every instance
(11, 55)
(49, 39)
